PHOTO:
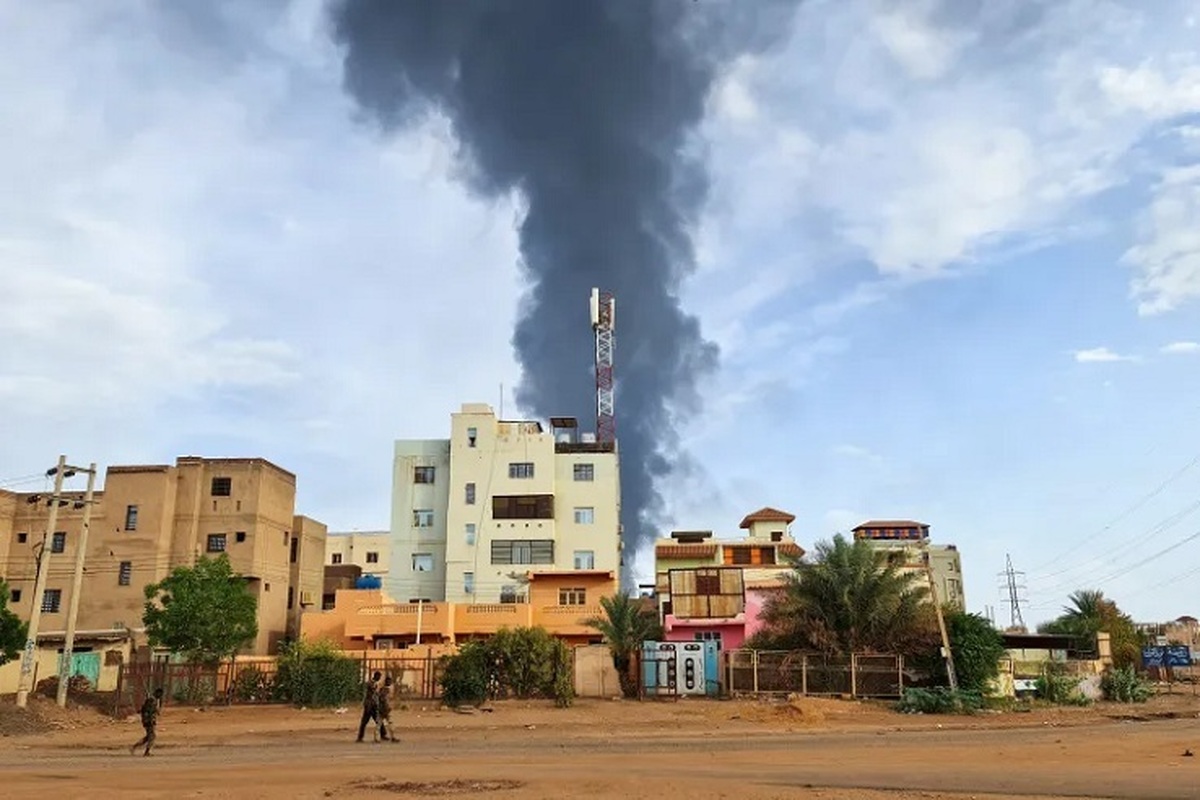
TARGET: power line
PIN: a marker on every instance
(1124, 514)
(1014, 586)
(1134, 543)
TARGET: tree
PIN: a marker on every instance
(1089, 613)
(205, 612)
(977, 647)
(627, 622)
(12, 630)
(849, 599)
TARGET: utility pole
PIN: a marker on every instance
(937, 606)
(25, 684)
(65, 665)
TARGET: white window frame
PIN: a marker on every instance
(585, 559)
(585, 515)
(421, 558)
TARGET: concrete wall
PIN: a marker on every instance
(46, 665)
(307, 571)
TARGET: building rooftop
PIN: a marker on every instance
(767, 514)
(891, 523)
(691, 536)
(359, 533)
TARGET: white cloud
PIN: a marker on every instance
(1181, 348)
(857, 452)
(1100, 355)
(1145, 88)
(921, 48)
(1167, 255)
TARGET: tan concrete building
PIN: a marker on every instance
(907, 543)
(473, 515)
(370, 551)
(146, 521)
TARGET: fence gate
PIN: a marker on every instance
(783, 672)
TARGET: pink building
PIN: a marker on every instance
(714, 589)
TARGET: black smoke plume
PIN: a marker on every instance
(587, 108)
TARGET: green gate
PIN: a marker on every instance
(85, 664)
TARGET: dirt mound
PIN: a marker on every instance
(438, 788)
(21, 721)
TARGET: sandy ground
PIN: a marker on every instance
(601, 749)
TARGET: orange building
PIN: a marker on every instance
(560, 601)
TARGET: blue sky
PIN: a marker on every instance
(951, 257)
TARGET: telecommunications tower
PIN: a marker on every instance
(603, 307)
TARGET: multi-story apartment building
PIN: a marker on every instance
(370, 551)
(150, 519)
(907, 544)
(474, 515)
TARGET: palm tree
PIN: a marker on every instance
(1089, 613)
(850, 599)
(627, 622)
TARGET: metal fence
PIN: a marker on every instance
(782, 672)
(252, 681)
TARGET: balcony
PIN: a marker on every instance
(567, 620)
(484, 618)
(400, 619)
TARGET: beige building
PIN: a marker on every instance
(473, 515)
(146, 521)
(371, 551)
(907, 543)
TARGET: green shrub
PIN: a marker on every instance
(252, 685)
(518, 662)
(939, 700)
(1124, 685)
(1062, 690)
(466, 676)
(316, 674)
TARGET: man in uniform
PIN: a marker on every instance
(385, 710)
(371, 707)
(151, 708)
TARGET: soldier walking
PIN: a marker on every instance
(370, 709)
(151, 708)
(385, 710)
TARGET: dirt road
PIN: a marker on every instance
(697, 749)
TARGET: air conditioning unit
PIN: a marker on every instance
(308, 598)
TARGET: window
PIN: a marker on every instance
(520, 469)
(742, 555)
(776, 536)
(22, 538)
(572, 597)
(266, 587)
(295, 549)
(58, 543)
(525, 506)
(216, 543)
(585, 472)
(335, 558)
(471, 533)
(423, 518)
(240, 536)
(423, 474)
(415, 600)
(422, 562)
(468, 583)
(766, 555)
(523, 551)
(51, 600)
(372, 557)
(472, 435)
(222, 487)
(131, 518)
(470, 498)
(708, 582)
(508, 594)
(585, 559)
(125, 573)
(291, 597)
(238, 505)
(585, 515)
(709, 636)
(16, 595)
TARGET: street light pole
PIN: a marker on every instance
(25, 684)
(65, 665)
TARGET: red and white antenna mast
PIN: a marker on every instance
(603, 323)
